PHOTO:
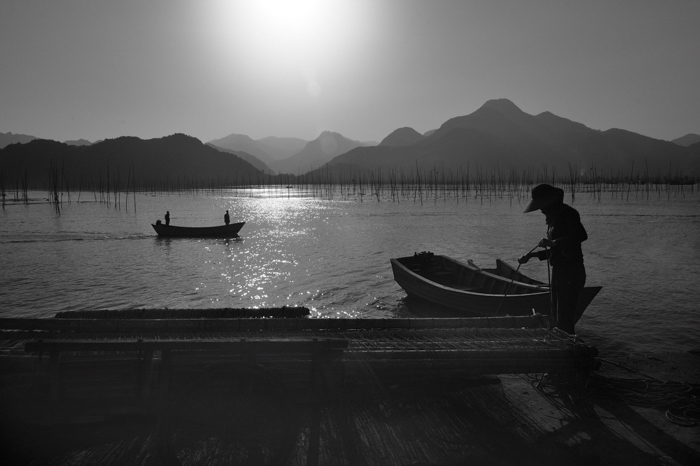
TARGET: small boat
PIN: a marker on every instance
(460, 289)
(220, 231)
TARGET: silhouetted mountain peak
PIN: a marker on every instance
(9, 138)
(78, 142)
(238, 137)
(181, 138)
(498, 116)
(504, 106)
(402, 137)
(170, 157)
(501, 134)
(687, 140)
(549, 116)
(329, 134)
(317, 152)
(330, 142)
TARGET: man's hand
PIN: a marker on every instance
(524, 259)
(547, 243)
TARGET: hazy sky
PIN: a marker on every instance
(101, 69)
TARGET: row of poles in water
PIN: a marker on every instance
(395, 185)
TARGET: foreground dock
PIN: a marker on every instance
(318, 391)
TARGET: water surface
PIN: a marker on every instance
(332, 255)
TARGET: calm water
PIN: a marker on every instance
(332, 255)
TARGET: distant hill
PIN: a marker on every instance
(500, 137)
(78, 142)
(282, 148)
(243, 143)
(268, 150)
(254, 161)
(9, 138)
(687, 140)
(167, 161)
(695, 149)
(316, 153)
(402, 137)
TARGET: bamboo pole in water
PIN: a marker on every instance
(395, 184)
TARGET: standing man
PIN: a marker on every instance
(227, 219)
(565, 233)
(167, 218)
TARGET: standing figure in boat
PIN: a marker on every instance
(227, 219)
(167, 218)
(565, 233)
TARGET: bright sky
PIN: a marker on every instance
(149, 68)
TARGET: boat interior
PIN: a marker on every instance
(469, 277)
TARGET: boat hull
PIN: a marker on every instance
(451, 288)
(220, 231)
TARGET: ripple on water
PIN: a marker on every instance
(333, 257)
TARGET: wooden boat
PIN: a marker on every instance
(221, 231)
(460, 289)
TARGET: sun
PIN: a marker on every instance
(287, 18)
(294, 38)
(279, 30)
(283, 29)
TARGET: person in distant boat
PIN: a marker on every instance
(565, 233)
(227, 219)
(167, 218)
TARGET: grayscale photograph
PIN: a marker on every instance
(349, 232)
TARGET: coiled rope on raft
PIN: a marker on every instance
(681, 401)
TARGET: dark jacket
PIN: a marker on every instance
(564, 226)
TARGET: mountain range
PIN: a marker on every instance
(172, 161)
(317, 153)
(289, 155)
(10, 138)
(251, 159)
(268, 150)
(498, 137)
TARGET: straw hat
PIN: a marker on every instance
(544, 195)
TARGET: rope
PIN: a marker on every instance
(629, 369)
(498, 309)
(681, 401)
(551, 294)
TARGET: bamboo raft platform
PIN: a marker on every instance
(275, 386)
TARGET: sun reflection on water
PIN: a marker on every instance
(332, 256)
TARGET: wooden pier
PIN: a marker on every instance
(249, 390)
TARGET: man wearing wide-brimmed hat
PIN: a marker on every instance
(565, 233)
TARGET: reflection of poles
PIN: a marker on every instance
(53, 186)
(2, 187)
(513, 279)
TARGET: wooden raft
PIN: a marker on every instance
(245, 388)
(135, 363)
(476, 346)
